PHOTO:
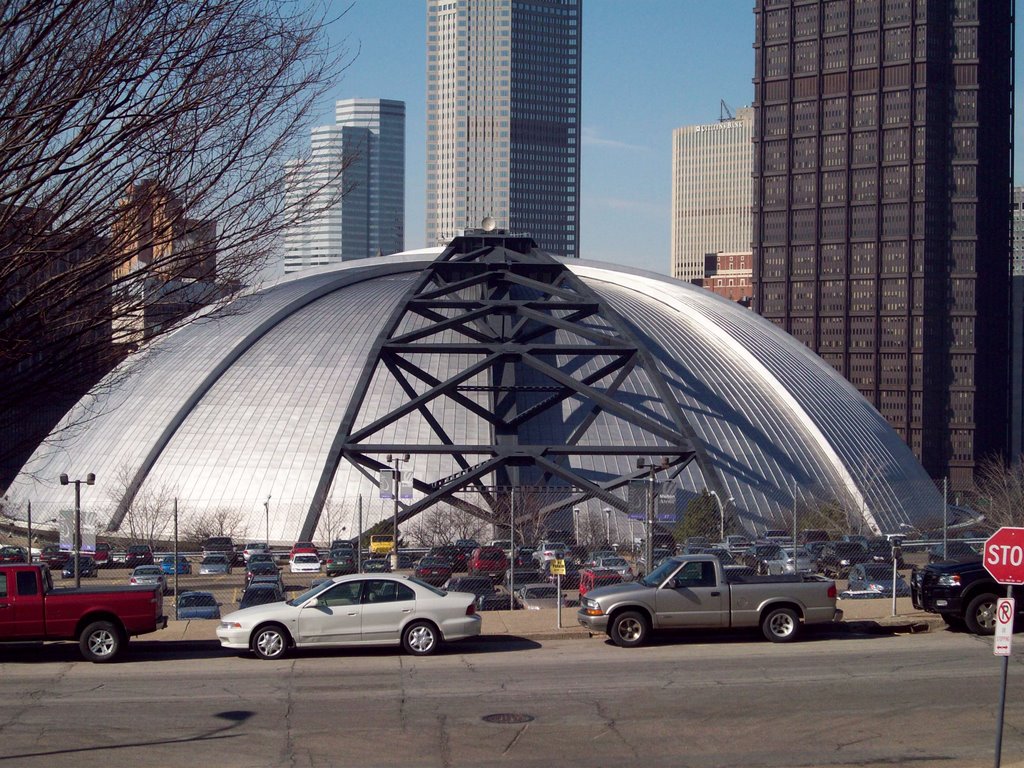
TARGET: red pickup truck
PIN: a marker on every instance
(99, 619)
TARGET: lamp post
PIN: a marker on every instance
(266, 509)
(721, 514)
(649, 521)
(398, 474)
(90, 479)
(608, 525)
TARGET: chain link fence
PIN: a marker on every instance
(672, 516)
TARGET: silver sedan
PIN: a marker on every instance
(785, 564)
(361, 609)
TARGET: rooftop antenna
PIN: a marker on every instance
(724, 111)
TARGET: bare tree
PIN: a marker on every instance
(330, 526)
(150, 515)
(1000, 491)
(220, 521)
(142, 153)
(443, 525)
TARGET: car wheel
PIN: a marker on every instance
(952, 620)
(420, 638)
(981, 614)
(101, 642)
(781, 625)
(629, 629)
(270, 642)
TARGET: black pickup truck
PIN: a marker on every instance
(963, 593)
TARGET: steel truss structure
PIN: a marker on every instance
(521, 341)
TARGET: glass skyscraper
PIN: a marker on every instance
(503, 119)
(352, 186)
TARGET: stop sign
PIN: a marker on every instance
(1004, 555)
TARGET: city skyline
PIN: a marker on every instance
(694, 55)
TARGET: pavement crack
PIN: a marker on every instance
(402, 714)
(446, 747)
(611, 725)
(289, 746)
(515, 738)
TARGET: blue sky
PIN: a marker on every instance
(648, 66)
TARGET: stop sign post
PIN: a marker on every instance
(1004, 559)
(1004, 555)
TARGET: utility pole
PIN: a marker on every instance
(90, 479)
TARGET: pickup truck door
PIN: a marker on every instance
(334, 617)
(693, 598)
(21, 605)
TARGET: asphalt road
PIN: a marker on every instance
(710, 700)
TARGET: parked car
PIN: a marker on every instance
(758, 556)
(778, 535)
(617, 564)
(268, 578)
(262, 557)
(963, 593)
(693, 591)
(103, 555)
(198, 605)
(342, 544)
(215, 565)
(381, 544)
(224, 545)
(591, 578)
(99, 619)
(253, 547)
(955, 550)
(138, 554)
(304, 562)
(377, 565)
(341, 562)
(736, 543)
(260, 594)
(433, 570)
(477, 585)
(167, 565)
(13, 554)
(455, 556)
(490, 561)
(86, 567)
(839, 557)
(522, 577)
(355, 610)
(876, 578)
(302, 548)
(149, 576)
(524, 557)
(550, 550)
(785, 562)
(260, 569)
(856, 538)
(533, 597)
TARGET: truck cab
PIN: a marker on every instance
(100, 619)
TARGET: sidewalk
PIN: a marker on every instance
(861, 616)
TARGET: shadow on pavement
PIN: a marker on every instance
(813, 634)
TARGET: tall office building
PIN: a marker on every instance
(711, 191)
(352, 187)
(1017, 329)
(881, 184)
(503, 119)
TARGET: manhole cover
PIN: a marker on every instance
(508, 718)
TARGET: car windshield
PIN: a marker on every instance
(659, 574)
(306, 559)
(137, 549)
(433, 562)
(614, 562)
(189, 601)
(214, 560)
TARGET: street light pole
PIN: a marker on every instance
(721, 514)
(649, 522)
(398, 474)
(90, 479)
(266, 509)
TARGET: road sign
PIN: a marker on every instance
(1004, 555)
(1004, 626)
(558, 567)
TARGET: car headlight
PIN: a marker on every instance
(844, 562)
(591, 607)
(949, 580)
(230, 625)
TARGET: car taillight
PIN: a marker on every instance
(471, 609)
(832, 590)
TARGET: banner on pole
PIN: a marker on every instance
(387, 483)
